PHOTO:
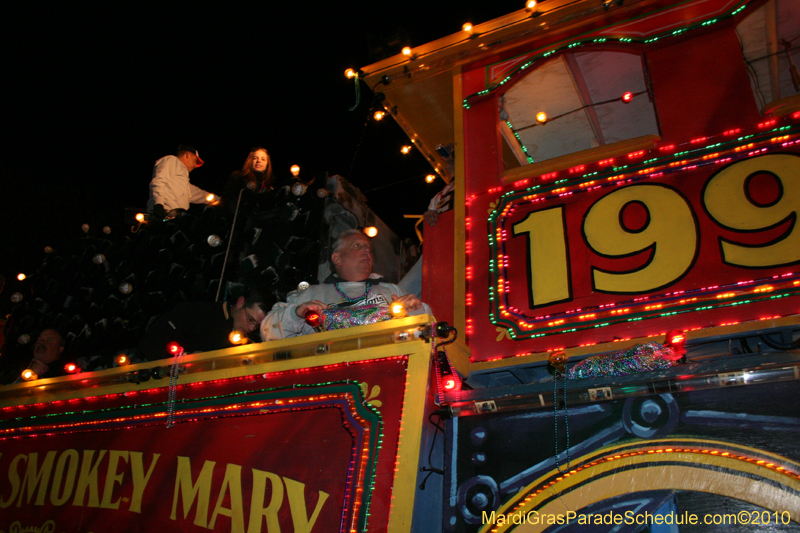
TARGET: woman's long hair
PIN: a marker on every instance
(263, 180)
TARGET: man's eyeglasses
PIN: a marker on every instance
(250, 320)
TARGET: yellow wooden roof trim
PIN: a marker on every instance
(783, 106)
(583, 157)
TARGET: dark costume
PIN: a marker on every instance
(196, 326)
(238, 181)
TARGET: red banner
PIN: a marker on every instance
(311, 450)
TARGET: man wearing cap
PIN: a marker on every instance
(352, 284)
(170, 187)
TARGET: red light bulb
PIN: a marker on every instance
(312, 319)
(675, 340)
(449, 384)
(627, 97)
(71, 368)
(174, 348)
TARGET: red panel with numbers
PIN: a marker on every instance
(688, 236)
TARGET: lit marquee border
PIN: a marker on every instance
(721, 149)
(362, 421)
(733, 462)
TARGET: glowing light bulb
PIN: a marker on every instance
(21, 276)
(467, 27)
(530, 5)
(214, 241)
(379, 115)
(370, 231)
(397, 310)
(312, 319)
(449, 384)
(29, 375)
(237, 337)
(122, 360)
(430, 178)
(675, 340)
(295, 170)
(541, 117)
(350, 73)
(406, 51)
(174, 348)
(139, 217)
(71, 368)
(627, 97)
(406, 149)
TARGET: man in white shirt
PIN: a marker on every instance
(170, 187)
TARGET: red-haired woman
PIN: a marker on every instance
(257, 169)
(256, 176)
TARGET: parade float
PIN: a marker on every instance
(619, 290)
(620, 259)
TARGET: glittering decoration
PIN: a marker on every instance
(638, 359)
(348, 317)
(172, 395)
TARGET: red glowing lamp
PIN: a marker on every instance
(71, 368)
(312, 319)
(675, 340)
(174, 348)
(627, 97)
(449, 384)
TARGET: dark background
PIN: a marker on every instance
(94, 93)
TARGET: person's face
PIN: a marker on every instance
(354, 258)
(246, 319)
(260, 161)
(48, 346)
(189, 160)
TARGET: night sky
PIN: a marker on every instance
(94, 93)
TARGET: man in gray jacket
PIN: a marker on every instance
(170, 187)
(352, 284)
